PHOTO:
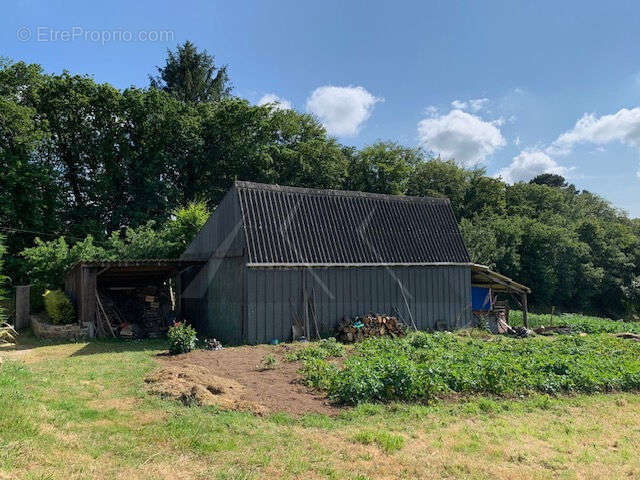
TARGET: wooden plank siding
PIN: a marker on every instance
(437, 297)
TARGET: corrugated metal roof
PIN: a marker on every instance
(483, 274)
(289, 225)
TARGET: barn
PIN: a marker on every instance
(274, 262)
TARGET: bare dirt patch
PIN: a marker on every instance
(243, 384)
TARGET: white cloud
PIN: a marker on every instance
(474, 105)
(431, 111)
(477, 104)
(622, 126)
(342, 110)
(460, 135)
(529, 164)
(279, 103)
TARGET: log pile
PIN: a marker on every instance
(134, 312)
(371, 325)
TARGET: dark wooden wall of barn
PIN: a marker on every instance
(239, 304)
(80, 284)
(211, 295)
(437, 296)
(213, 299)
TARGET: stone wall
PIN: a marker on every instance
(41, 329)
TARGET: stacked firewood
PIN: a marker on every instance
(371, 325)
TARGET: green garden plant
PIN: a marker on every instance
(423, 366)
(269, 362)
(328, 347)
(182, 338)
(59, 308)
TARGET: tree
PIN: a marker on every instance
(439, 178)
(550, 179)
(384, 167)
(29, 184)
(192, 76)
(484, 195)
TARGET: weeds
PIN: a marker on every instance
(321, 349)
(268, 362)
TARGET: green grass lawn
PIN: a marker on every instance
(79, 411)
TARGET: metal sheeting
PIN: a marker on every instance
(212, 299)
(298, 225)
(222, 235)
(438, 297)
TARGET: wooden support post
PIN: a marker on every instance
(525, 318)
(178, 297)
(305, 306)
(23, 313)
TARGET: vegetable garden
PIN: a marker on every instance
(424, 366)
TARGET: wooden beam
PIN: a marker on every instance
(104, 315)
(525, 318)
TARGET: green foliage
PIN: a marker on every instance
(59, 307)
(268, 362)
(578, 323)
(192, 76)
(183, 226)
(318, 373)
(182, 338)
(48, 261)
(550, 179)
(383, 167)
(422, 366)
(327, 347)
(114, 164)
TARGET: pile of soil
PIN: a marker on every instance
(195, 385)
(243, 385)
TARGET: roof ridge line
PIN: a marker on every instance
(241, 184)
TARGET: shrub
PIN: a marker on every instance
(182, 338)
(58, 307)
(318, 373)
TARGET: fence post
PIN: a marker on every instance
(23, 313)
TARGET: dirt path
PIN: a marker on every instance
(277, 389)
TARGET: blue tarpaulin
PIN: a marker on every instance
(480, 298)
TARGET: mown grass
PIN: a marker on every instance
(78, 411)
(388, 442)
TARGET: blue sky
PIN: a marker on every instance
(519, 87)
